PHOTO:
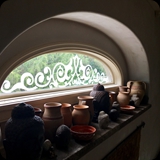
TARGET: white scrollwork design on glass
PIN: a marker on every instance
(61, 75)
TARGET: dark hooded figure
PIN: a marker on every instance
(24, 134)
(101, 100)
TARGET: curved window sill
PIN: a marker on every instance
(77, 150)
(64, 95)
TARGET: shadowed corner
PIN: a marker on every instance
(1, 2)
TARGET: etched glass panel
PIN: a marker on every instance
(57, 70)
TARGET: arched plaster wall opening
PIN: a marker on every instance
(83, 30)
(128, 42)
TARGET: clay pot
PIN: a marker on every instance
(123, 98)
(124, 89)
(113, 114)
(80, 115)
(113, 97)
(52, 119)
(138, 88)
(38, 111)
(87, 100)
(67, 114)
(116, 106)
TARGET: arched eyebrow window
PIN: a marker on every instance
(61, 69)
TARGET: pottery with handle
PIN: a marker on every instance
(137, 88)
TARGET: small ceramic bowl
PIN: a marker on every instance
(83, 132)
(127, 108)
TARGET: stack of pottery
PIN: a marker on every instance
(52, 118)
(137, 90)
(123, 96)
(87, 100)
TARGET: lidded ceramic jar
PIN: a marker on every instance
(67, 114)
(24, 134)
(101, 100)
(80, 115)
(52, 118)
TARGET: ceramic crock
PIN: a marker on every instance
(80, 115)
(52, 118)
(67, 114)
(87, 100)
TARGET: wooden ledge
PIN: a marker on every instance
(76, 150)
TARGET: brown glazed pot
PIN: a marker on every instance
(38, 111)
(87, 100)
(113, 97)
(80, 115)
(52, 118)
(67, 114)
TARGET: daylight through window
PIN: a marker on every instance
(57, 70)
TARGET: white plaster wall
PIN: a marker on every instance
(139, 15)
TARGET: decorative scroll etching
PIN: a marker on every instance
(61, 75)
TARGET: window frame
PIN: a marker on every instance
(13, 98)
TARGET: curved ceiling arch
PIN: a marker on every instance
(127, 49)
(129, 43)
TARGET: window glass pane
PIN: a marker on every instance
(57, 70)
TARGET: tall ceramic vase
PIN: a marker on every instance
(87, 100)
(52, 118)
(67, 114)
(80, 115)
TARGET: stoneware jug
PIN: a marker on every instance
(67, 114)
(80, 115)
(123, 98)
(52, 118)
(138, 88)
(87, 100)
